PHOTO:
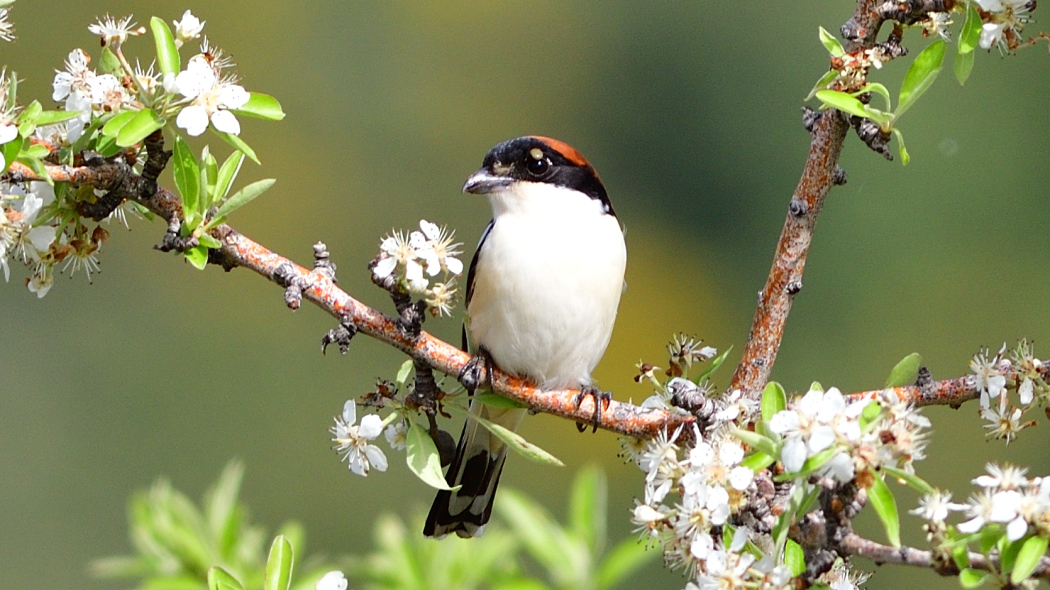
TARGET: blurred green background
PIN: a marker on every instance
(689, 110)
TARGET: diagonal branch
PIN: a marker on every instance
(320, 288)
(854, 544)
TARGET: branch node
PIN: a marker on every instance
(285, 276)
(839, 178)
(873, 136)
(793, 287)
(691, 397)
(173, 242)
(322, 263)
(798, 207)
(810, 118)
(341, 335)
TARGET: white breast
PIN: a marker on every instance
(547, 284)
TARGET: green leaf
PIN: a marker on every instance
(756, 441)
(831, 43)
(209, 242)
(961, 556)
(26, 120)
(963, 65)
(587, 508)
(1009, 551)
(794, 558)
(10, 150)
(423, 457)
(910, 479)
(139, 127)
(822, 84)
(757, 461)
(110, 63)
(971, 578)
(220, 579)
(116, 123)
(970, 35)
(715, 364)
(227, 173)
(885, 506)
(905, 157)
(197, 256)
(627, 557)
(221, 510)
(37, 166)
(209, 176)
(851, 105)
(513, 440)
(244, 196)
(404, 372)
(279, 565)
(905, 372)
(167, 54)
(920, 76)
(106, 146)
(496, 400)
(187, 178)
(1028, 559)
(261, 106)
(52, 117)
(34, 151)
(881, 90)
(239, 144)
(774, 399)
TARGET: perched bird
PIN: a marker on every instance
(542, 293)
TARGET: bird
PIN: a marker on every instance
(542, 293)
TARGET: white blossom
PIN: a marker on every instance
(333, 580)
(352, 440)
(187, 28)
(211, 98)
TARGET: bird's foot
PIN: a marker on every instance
(601, 398)
(476, 372)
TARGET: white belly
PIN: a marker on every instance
(547, 284)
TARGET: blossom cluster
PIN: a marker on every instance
(1003, 419)
(1003, 22)
(422, 253)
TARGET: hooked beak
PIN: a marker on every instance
(484, 182)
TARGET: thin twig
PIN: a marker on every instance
(854, 544)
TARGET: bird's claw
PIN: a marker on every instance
(601, 398)
(474, 374)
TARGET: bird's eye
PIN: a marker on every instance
(537, 164)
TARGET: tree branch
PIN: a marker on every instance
(320, 288)
(854, 544)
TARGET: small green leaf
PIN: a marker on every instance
(27, 119)
(1009, 551)
(910, 479)
(970, 35)
(756, 441)
(822, 84)
(167, 54)
(1028, 559)
(961, 556)
(197, 256)
(774, 399)
(139, 127)
(851, 105)
(971, 578)
(496, 400)
(261, 106)
(209, 242)
(831, 43)
(227, 173)
(513, 440)
(963, 65)
(905, 158)
(187, 176)
(10, 150)
(106, 146)
(34, 151)
(715, 364)
(279, 565)
(757, 461)
(209, 176)
(879, 89)
(920, 76)
(882, 500)
(52, 117)
(110, 63)
(239, 144)
(794, 558)
(905, 371)
(116, 123)
(404, 372)
(220, 579)
(423, 457)
(244, 196)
